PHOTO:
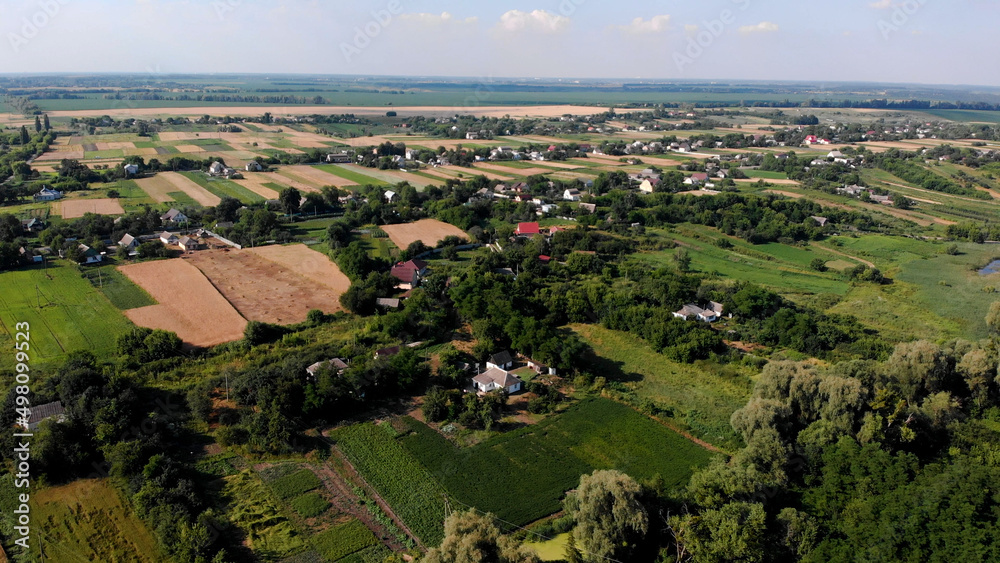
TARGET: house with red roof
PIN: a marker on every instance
(409, 273)
(527, 229)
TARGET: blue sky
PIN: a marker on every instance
(915, 41)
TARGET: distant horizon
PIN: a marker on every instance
(474, 79)
(855, 41)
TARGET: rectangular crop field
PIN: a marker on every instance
(428, 231)
(340, 541)
(316, 176)
(399, 478)
(76, 208)
(255, 512)
(88, 520)
(523, 475)
(189, 304)
(352, 175)
(275, 284)
(66, 313)
(184, 184)
(221, 187)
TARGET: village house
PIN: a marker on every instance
(390, 196)
(527, 229)
(217, 169)
(189, 244)
(129, 242)
(649, 185)
(335, 364)
(821, 220)
(130, 169)
(48, 194)
(90, 256)
(409, 273)
(495, 379)
(500, 360)
(174, 216)
(589, 207)
(254, 166)
(572, 194)
(388, 303)
(168, 238)
(697, 179)
(709, 315)
(338, 158)
(41, 413)
(33, 225)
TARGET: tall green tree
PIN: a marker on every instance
(610, 517)
(290, 199)
(45, 122)
(38, 125)
(25, 138)
(474, 538)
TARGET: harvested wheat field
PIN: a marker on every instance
(179, 183)
(661, 162)
(188, 303)
(268, 291)
(76, 208)
(254, 181)
(189, 149)
(428, 231)
(319, 178)
(307, 263)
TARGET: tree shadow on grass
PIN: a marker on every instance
(610, 369)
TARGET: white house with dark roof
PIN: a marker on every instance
(128, 241)
(335, 364)
(500, 360)
(48, 194)
(495, 379)
(174, 216)
(711, 314)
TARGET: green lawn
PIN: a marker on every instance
(183, 199)
(351, 175)
(224, 188)
(522, 475)
(73, 315)
(702, 400)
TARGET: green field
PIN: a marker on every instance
(766, 175)
(779, 267)
(522, 475)
(412, 492)
(87, 520)
(120, 290)
(66, 313)
(701, 400)
(224, 188)
(357, 177)
(343, 540)
(963, 115)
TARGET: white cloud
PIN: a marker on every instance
(881, 4)
(691, 29)
(762, 27)
(437, 19)
(539, 21)
(639, 26)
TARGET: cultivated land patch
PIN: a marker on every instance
(268, 291)
(87, 520)
(189, 304)
(315, 177)
(308, 263)
(548, 459)
(75, 208)
(158, 187)
(254, 181)
(183, 184)
(66, 313)
(428, 231)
